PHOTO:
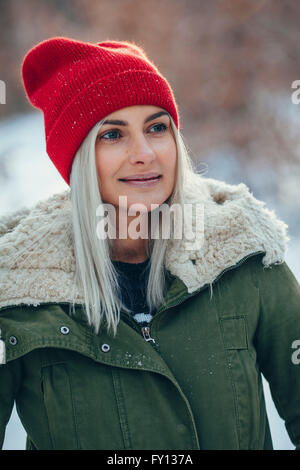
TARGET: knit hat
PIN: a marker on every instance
(76, 84)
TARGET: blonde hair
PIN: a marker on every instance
(95, 272)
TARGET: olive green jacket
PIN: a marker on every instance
(193, 381)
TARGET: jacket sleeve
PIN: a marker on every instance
(277, 341)
(9, 384)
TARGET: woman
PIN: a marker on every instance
(137, 342)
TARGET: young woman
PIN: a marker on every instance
(139, 342)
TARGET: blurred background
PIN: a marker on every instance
(231, 65)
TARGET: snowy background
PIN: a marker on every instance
(28, 175)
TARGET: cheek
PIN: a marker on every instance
(105, 165)
(171, 160)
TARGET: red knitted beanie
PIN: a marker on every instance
(76, 84)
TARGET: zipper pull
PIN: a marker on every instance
(146, 333)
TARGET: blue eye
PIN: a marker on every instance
(109, 132)
(161, 124)
(116, 131)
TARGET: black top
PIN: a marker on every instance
(133, 278)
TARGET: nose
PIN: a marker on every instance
(140, 150)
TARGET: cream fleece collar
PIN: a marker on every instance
(37, 262)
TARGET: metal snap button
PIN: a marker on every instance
(13, 340)
(105, 347)
(64, 330)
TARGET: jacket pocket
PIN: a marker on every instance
(245, 380)
(59, 404)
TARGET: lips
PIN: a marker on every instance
(142, 183)
(152, 178)
(143, 179)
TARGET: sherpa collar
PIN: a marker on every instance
(37, 262)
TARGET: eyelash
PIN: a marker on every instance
(117, 130)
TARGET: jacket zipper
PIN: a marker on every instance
(146, 333)
(146, 330)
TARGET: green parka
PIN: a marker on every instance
(232, 312)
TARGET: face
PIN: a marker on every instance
(138, 143)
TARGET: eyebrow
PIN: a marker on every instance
(125, 123)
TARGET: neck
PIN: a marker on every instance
(130, 250)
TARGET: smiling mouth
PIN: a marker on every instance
(141, 179)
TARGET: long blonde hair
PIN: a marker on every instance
(95, 272)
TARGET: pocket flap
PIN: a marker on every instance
(234, 333)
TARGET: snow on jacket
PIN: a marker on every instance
(232, 312)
